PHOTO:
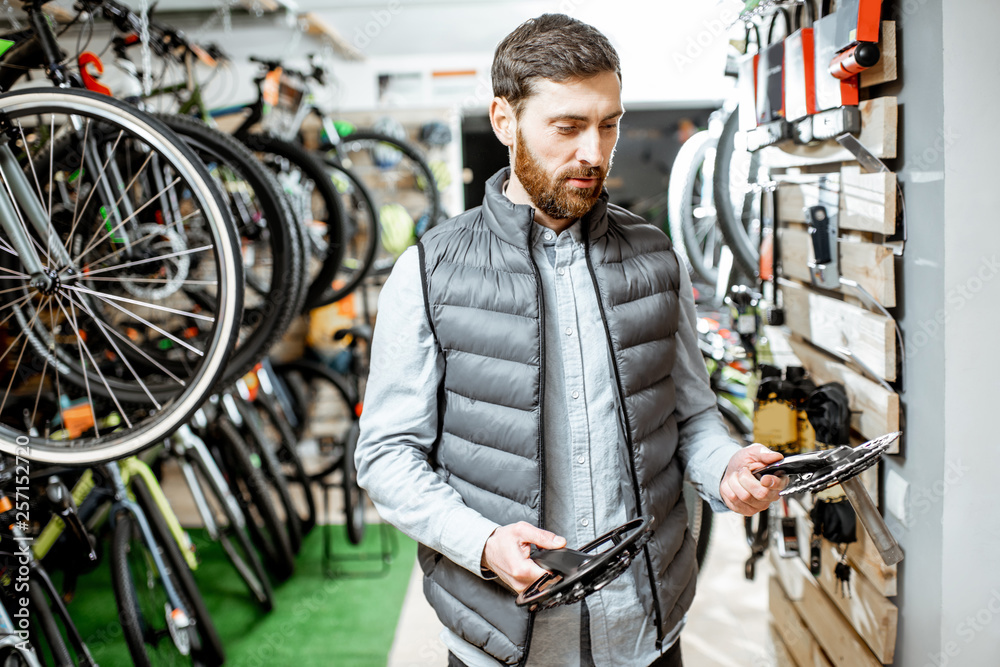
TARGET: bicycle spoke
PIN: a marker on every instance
(12, 304)
(144, 238)
(13, 375)
(52, 133)
(76, 203)
(144, 280)
(97, 368)
(142, 304)
(38, 395)
(142, 352)
(149, 324)
(150, 259)
(121, 356)
(18, 274)
(93, 189)
(136, 212)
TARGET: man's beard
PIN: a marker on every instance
(553, 195)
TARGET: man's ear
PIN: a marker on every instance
(503, 121)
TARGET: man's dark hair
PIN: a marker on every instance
(552, 46)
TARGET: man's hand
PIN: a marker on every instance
(741, 491)
(507, 549)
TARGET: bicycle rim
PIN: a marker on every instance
(736, 202)
(144, 282)
(691, 210)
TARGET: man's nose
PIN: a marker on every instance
(589, 150)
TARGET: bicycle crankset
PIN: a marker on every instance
(816, 471)
(575, 574)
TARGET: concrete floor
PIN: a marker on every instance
(726, 627)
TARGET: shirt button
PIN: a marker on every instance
(569, 331)
(562, 271)
(548, 236)
(584, 522)
(581, 459)
(575, 394)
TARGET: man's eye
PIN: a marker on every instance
(612, 126)
(565, 128)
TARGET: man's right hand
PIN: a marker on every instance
(507, 549)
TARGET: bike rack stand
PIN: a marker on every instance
(378, 560)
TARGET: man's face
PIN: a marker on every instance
(565, 141)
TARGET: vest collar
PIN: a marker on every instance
(513, 222)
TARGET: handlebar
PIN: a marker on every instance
(318, 73)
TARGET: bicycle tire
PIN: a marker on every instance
(344, 440)
(49, 628)
(211, 652)
(136, 628)
(696, 240)
(266, 318)
(176, 404)
(362, 232)
(288, 455)
(264, 447)
(735, 227)
(422, 200)
(242, 554)
(331, 217)
(251, 490)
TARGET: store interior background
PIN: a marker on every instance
(673, 55)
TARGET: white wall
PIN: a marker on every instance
(970, 630)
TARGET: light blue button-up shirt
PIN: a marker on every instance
(581, 435)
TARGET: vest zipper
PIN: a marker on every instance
(541, 422)
(628, 435)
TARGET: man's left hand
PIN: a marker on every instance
(741, 491)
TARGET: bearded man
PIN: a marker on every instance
(536, 379)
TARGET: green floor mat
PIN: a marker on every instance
(316, 621)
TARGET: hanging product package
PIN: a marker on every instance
(830, 92)
(746, 82)
(800, 68)
(770, 74)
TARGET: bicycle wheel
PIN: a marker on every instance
(270, 240)
(264, 447)
(401, 183)
(128, 325)
(332, 431)
(316, 204)
(253, 494)
(361, 233)
(231, 534)
(690, 209)
(42, 615)
(737, 203)
(153, 636)
(288, 455)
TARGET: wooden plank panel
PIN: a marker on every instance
(842, 645)
(885, 69)
(875, 410)
(791, 572)
(878, 133)
(872, 616)
(867, 201)
(833, 324)
(864, 557)
(869, 264)
(782, 658)
(791, 631)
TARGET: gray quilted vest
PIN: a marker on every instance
(483, 299)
